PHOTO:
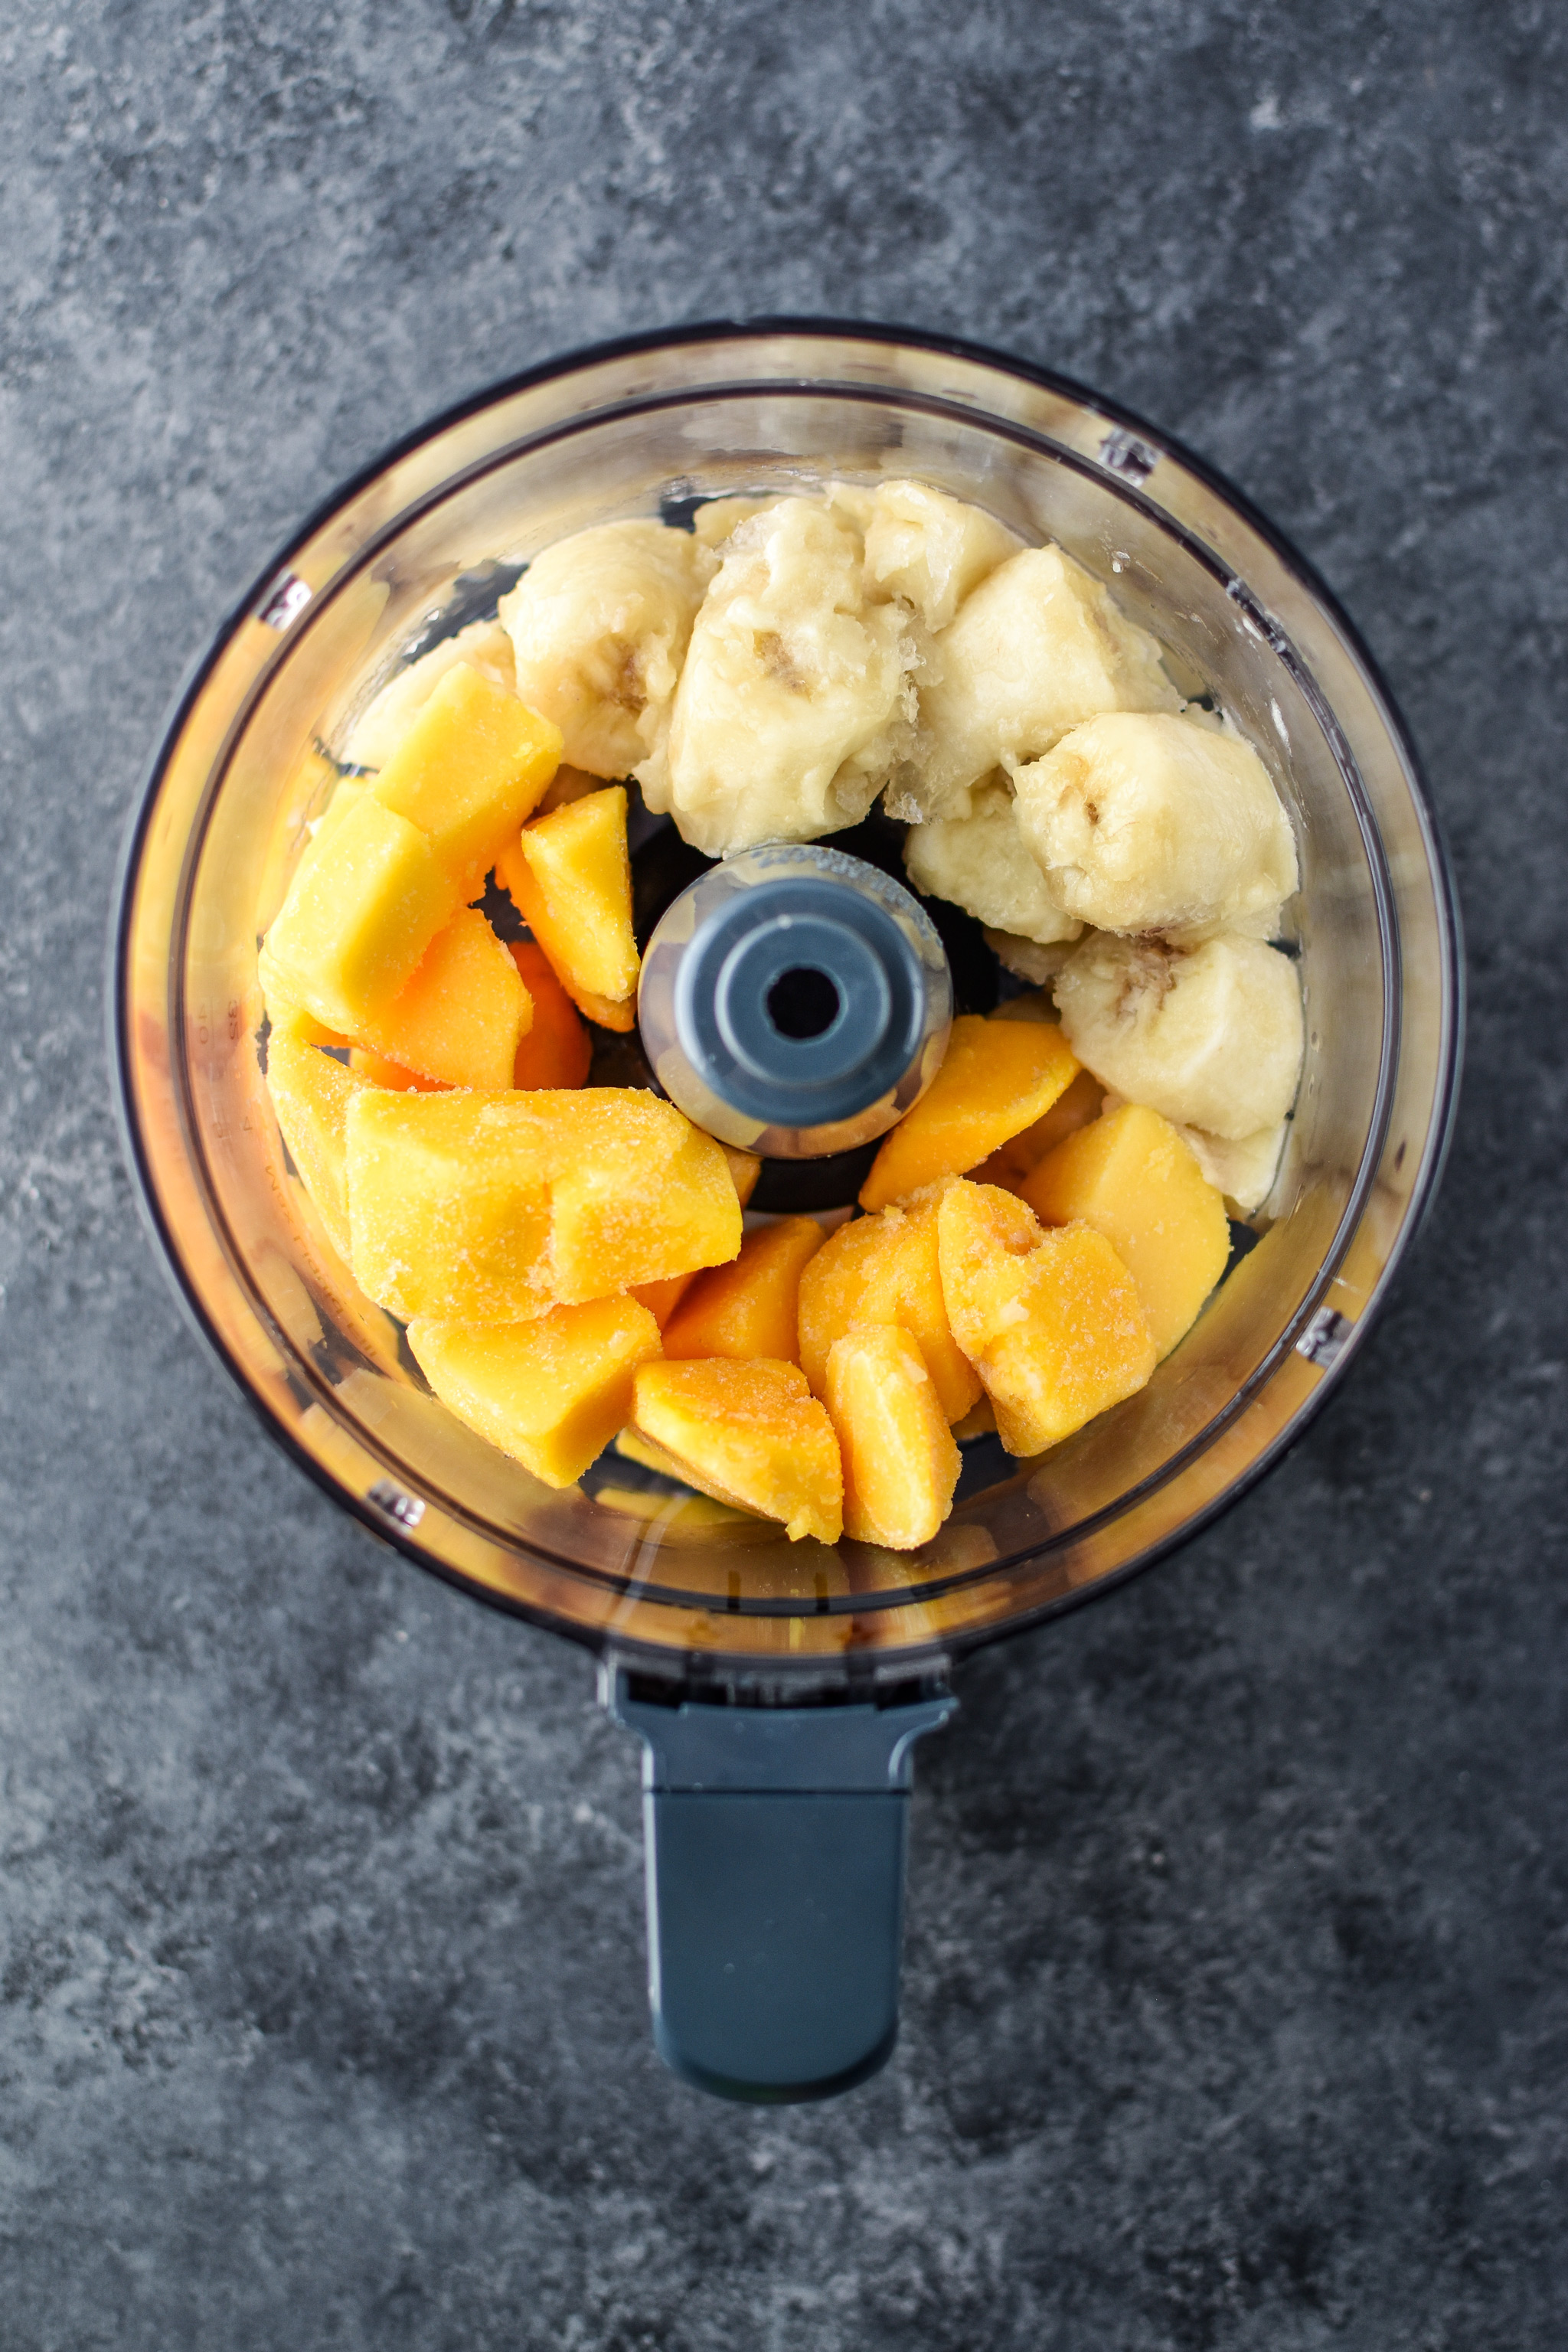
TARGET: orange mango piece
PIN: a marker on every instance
(752, 1436)
(459, 1019)
(571, 879)
(552, 1391)
(998, 1078)
(471, 764)
(749, 1306)
(366, 902)
(490, 1208)
(885, 1269)
(557, 1050)
(1049, 1316)
(1132, 1178)
(1021, 1153)
(900, 1463)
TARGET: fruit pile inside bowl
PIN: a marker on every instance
(574, 1263)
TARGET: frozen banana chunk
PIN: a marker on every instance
(1151, 822)
(381, 726)
(1034, 650)
(795, 700)
(932, 550)
(714, 524)
(1210, 1036)
(982, 862)
(1027, 958)
(598, 626)
(1243, 1171)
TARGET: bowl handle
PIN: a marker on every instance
(774, 1839)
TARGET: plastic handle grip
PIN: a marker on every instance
(775, 1841)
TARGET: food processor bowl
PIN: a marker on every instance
(778, 1686)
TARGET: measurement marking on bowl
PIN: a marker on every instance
(1122, 453)
(407, 1509)
(284, 601)
(1325, 1339)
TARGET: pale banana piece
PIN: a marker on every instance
(598, 624)
(1210, 1036)
(929, 550)
(1243, 1171)
(384, 722)
(712, 524)
(1027, 958)
(982, 863)
(795, 698)
(1035, 649)
(1156, 822)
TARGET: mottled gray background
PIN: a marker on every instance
(1237, 2013)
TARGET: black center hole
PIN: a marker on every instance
(802, 1003)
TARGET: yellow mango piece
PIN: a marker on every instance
(459, 1019)
(1132, 1177)
(900, 1463)
(998, 1078)
(1049, 1316)
(471, 764)
(1071, 1110)
(662, 1299)
(749, 1306)
(363, 906)
(570, 879)
(490, 1208)
(752, 1436)
(884, 1269)
(310, 1094)
(552, 1392)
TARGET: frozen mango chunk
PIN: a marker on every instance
(885, 1269)
(1049, 1317)
(555, 1050)
(1022, 1152)
(571, 879)
(1131, 1176)
(470, 766)
(310, 1094)
(752, 1436)
(490, 1208)
(366, 902)
(552, 1392)
(380, 728)
(900, 1463)
(749, 1306)
(662, 1299)
(998, 1078)
(459, 1019)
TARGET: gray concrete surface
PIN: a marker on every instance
(1236, 2010)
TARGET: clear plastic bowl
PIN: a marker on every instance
(670, 1593)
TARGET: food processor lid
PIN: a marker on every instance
(795, 1002)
